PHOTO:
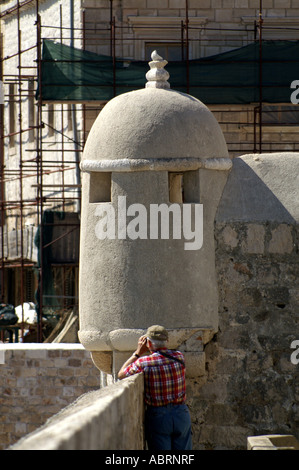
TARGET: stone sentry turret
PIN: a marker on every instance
(152, 151)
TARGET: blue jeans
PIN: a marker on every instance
(168, 427)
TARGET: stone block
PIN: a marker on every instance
(2, 356)
(118, 360)
(241, 4)
(223, 16)
(102, 360)
(96, 3)
(157, 4)
(133, 4)
(272, 442)
(230, 237)
(195, 364)
(255, 239)
(31, 379)
(201, 4)
(177, 3)
(194, 343)
(282, 240)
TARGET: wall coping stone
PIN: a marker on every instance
(34, 346)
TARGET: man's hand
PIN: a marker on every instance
(141, 349)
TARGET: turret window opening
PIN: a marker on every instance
(100, 187)
(183, 187)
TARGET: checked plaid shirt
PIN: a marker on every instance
(164, 377)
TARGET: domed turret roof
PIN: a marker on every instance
(155, 123)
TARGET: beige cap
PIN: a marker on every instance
(157, 332)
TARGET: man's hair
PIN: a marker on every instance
(157, 343)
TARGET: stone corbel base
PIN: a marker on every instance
(189, 341)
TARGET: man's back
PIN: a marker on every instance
(167, 418)
(164, 377)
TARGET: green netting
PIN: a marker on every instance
(233, 77)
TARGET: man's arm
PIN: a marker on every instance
(141, 349)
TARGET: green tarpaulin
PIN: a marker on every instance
(233, 77)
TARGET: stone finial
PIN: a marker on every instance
(157, 76)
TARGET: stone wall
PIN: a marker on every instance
(37, 381)
(251, 383)
(107, 419)
(237, 124)
(234, 20)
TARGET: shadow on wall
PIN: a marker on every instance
(261, 188)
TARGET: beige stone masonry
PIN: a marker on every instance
(272, 442)
(282, 241)
(37, 381)
(106, 419)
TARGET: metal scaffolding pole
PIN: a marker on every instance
(39, 160)
(260, 76)
(20, 119)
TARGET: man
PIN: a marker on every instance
(167, 418)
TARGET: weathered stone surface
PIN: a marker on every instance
(255, 239)
(94, 421)
(281, 241)
(102, 360)
(37, 381)
(262, 188)
(272, 442)
(195, 364)
(249, 374)
(230, 237)
(137, 282)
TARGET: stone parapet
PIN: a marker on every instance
(106, 419)
(37, 381)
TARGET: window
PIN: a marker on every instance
(157, 31)
(176, 187)
(170, 52)
(100, 187)
(280, 115)
(184, 187)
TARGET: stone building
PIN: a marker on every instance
(248, 376)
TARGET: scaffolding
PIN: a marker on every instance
(34, 163)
